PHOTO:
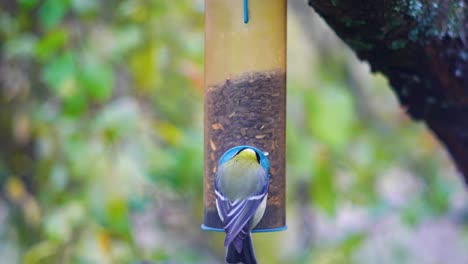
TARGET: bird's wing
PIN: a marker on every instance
(237, 214)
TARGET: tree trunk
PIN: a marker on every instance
(422, 47)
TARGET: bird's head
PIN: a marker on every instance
(246, 154)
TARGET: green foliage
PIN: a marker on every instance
(50, 43)
(108, 82)
(59, 74)
(97, 79)
(331, 116)
(323, 186)
(51, 13)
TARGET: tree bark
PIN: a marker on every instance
(422, 47)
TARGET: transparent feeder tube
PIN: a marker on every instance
(245, 94)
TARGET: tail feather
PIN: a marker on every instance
(246, 255)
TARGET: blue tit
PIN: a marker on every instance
(241, 189)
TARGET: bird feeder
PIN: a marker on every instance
(245, 95)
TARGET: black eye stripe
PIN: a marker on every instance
(258, 157)
(237, 153)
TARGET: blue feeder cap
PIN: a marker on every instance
(263, 230)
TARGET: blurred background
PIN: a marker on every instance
(101, 138)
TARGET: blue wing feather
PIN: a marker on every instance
(237, 214)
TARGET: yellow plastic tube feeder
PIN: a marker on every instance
(245, 95)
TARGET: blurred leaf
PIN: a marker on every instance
(322, 187)
(351, 243)
(74, 103)
(58, 72)
(144, 66)
(169, 132)
(28, 4)
(331, 116)
(414, 213)
(439, 196)
(51, 12)
(117, 218)
(97, 79)
(160, 256)
(40, 252)
(49, 44)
